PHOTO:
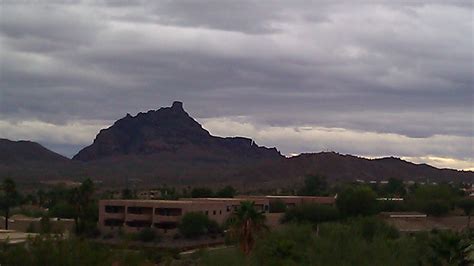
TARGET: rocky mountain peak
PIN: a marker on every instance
(168, 130)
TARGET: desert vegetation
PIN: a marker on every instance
(348, 233)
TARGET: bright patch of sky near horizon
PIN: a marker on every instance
(371, 79)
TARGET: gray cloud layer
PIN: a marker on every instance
(383, 67)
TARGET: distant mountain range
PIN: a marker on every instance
(14, 152)
(168, 146)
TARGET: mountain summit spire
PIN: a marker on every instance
(177, 105)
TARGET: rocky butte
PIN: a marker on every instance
(170, 130)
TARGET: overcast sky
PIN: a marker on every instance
(370, 78)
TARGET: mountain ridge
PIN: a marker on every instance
(25, 150)
(169, 146)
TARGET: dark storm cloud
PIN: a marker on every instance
(388, 67)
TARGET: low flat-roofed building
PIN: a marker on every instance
(163, 215)
(261, 203)
(409, 222)
(22, 223)
(292, 201)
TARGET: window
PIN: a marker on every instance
(114, 209)
(213, 212)
(207, 212)
(228, 208)
(139, 210)
(138, 223)
(220, 211)
(166, 225)
(168, 211)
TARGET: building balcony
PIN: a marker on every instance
(165, 218)
(138, 217)
(114, 215)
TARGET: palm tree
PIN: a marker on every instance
(246, 222)
(469, 253)
(75, 201)
(8, 198)
(448, 247)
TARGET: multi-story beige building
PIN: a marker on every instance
(165, 215)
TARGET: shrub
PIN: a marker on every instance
(314, 185)
(285, 247)
(372, 227)
(62, 210)
(108, 236)
(467, 205)
(355, 201)
(45, 225)
(194, 224)
(435, 207)
(30, 211)
(225, 256)
(55, 251)
(338, 244)
(226, 192)
(201, 192)
(357, 241)
(447, 248)
(213, 227)
(394, 206)
(311, 213)
(90, 229)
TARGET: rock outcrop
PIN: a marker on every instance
(169, 130)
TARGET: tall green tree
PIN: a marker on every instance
(9, 197)
(41, 195)
(314, 185)
(81, 199)
(395, 187)
(355, 201)
(436, 200)
(202, 192)
(195, 224)
(226, 192)
(311, 213)
(128, 194)
(246, 223)
(442, 192)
